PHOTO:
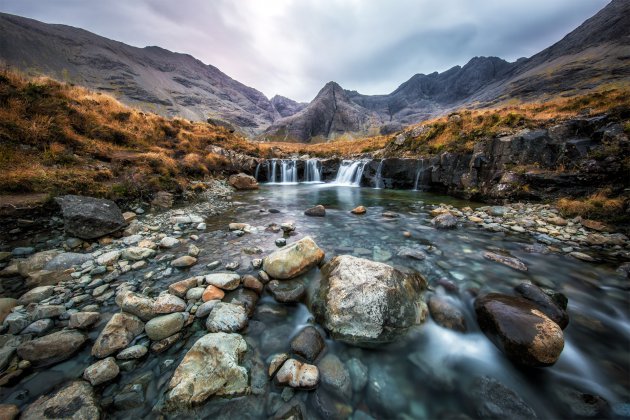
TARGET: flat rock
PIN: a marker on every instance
(101, 371)
(52, 348)
(121, 329)
(226, 317)
(134, 352)
(225, 281)
(293, 260)
(67, 260)
(164, 326)
(511, 262)
(167, 303)
(75, 401)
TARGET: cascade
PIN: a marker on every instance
(379, 177)
(313, 171)
(288, 171)
(350, 173)
(419, 174)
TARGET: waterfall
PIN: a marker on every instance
(288, 173)
(419, 175)
(272, 178)
(313, 171)
(350, 173)
(379, 177)
(256, 173)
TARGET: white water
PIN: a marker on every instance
(256, 173)
(350, 173)
(287, 171)
(379, 180)
(313, 171)
(419, 174)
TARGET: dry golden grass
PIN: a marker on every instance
(597, 206)
(345, 147)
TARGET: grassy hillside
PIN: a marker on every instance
(57, 138)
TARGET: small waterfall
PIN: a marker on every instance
(419, 174)
(379, 176)
(274, 163)
(313, 171)
(350, 173)
(256, 173)
(288, 172)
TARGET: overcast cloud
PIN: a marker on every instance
(293, 47)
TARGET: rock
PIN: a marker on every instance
(205, 308)
(511, 262)
(90, 218)
(243, 182)
(184, 262)
(582, 256)
(134, 352)
(36, 295)
(275, 362)
(74, 401)
(359, 210)
(362, 302)
(308, 344)
(595, 225)
(121, 329)
(101, 371)
(358, 374)
(168, 304)
(445, 314)
(287, 291)
(213, 265)
(280, 242)
(226, 317)
(83, 320)
(39, 327)
(411, 253)
(52, 348)
(211, 367)
(233, 266)
(293, 260)
(36, 262)
(225, 281)
(544, 302)
(129, 216)
(383, 393)
(244, 227)
(47, 311)
(245, 297)
(46, 278)
(212, 293)
(557, 220)
(162, 200)
(67, 260)
(298, 375)
(287, 227)
(581, 405)
(493, 400)
(518, 328)
(108, 258)
(330, 406)
(317, 211)
(180, 288)
(195, 293)
(138, 305)
(497, 211)
(135, 253)
(161, 346)
(249, 282)
(16, 322)
(164, 326)
(6, 305)
(335, 377)
(9, 411)
(22, 251)
(169, 242)
(444, 221)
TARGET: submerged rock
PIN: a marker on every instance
(287, 291)
(511, 262)
(444, 221)
(446, 314)
(308, 343)
(358, 210)
(335, 376)
(493, 400)
(293, 260)
(90, 218)
(544, 302)
(363, 302)
(74, 401)
(518, 328)
(211, 367)
(52, 348)
(317, 211)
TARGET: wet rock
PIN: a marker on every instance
(108, 258)
(136, 253)
(518, 328)
(293, 260)
(47, 311)
(36, 262)
(169, 242)
(383, 393)
(411, 253)
(205, 308)
(581, 256)
(288, 291)
(298, 375)
(493, 400)
(52, 348)
(9, 411)
(497, 211)
(444, 221)
(335, 377)
(275, 362)
(46, 278)
(308, 343)
(39, 327)
(211, 367)
(243, 182)
(83, 320)
(180, 288)
(74, 401)
(16, 322)
(226, 317)
(359, 210)
(247, 298)
(330, 406)
(363, 302)
(225, 281)
(582, 405)
(212, 293)
(168, 304)
(511, 262)
(184, 262)
(280, 242)
(544, 302)
(446, 314)
(134, 352)
(6, 305)
(252, 283)
(195, 293)
(90, 218)
(138, 305)
(317, 211)
(164, 326)
(101, 371)
(390, 214)
(358, 374)
(161, 346)
(121, 329)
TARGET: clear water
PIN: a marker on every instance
(596, 358)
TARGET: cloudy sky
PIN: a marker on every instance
(293, 47)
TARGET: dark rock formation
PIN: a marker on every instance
(90, 218)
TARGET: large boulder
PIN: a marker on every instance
(520, 329)
(211, 367)
(74, 401)
(293, 260)
(52, 348)
(117, 334)
(366, 303)
(243, 182)
(90, 218)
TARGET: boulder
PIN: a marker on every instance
(137, 304)
(9, 411)
(518, 328)
(52, 348)
(46, 278)
(168, 304)
(363, 302)
(298, 375)
(493, 400)
(67, 260)
(317, 211)
(101, 371)
(36, 295)
(446, 314)
(90, 218)
(227, 317)
(243, 182)
(74, 401)
(211, 367)
(164, 326)
(83, 320)
(121, 329)
(293, 260)
(36, 262)
(308, 343)
(545, 303)
(444, 221)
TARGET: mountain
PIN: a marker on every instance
(597, 53)
(287, 107)
(151, 78)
